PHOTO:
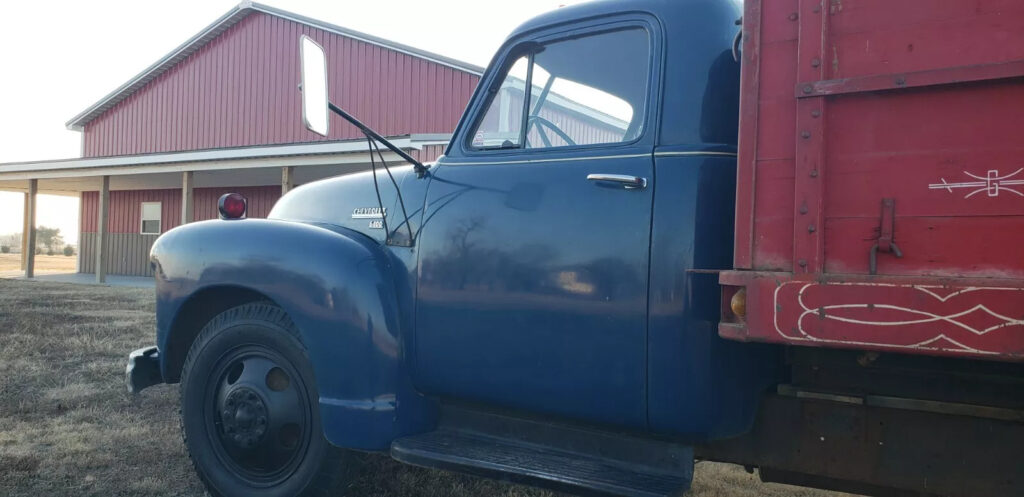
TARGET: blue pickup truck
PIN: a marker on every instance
(541, 304)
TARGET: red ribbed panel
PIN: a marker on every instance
(241, 89)
(126, 206)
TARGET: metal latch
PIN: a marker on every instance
(886, 235)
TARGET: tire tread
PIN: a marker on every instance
(335, 468)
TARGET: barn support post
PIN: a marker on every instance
(24, 233)
(101, 231)
(187, 185)
(287, 179)
(28, 237)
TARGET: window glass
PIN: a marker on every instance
(150, 218)
(583, 91)
(501, 126)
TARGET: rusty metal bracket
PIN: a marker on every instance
(886, 235)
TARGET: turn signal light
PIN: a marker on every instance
(231, 206)
(738, 303)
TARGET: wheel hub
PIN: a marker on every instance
(244, 418)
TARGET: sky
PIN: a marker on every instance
(59, 57)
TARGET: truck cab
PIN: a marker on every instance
(540, 305)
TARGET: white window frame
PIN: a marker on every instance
(159, 218)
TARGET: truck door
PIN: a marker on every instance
(534, 249)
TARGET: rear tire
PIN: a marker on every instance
(249, 412)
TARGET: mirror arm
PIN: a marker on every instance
(417, 165)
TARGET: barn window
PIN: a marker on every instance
(151, 218)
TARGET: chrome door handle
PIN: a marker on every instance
(630, 182)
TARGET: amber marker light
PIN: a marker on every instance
(738, 303)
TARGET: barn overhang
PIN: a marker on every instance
(243, 166)
(284, 165)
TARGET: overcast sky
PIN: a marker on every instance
(59, 57)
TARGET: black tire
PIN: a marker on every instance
(249, 413)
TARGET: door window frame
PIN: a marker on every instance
(523, 45)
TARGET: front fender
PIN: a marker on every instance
(339, 289)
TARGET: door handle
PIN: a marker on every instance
(630, 182)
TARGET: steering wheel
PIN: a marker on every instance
(544, 123)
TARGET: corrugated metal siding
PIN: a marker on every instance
(429, 153)
(261, 200)
(126, 206)
(126, 209)
(127, 254)
(241, 89)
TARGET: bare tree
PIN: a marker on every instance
(49, 238)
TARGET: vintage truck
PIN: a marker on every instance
(634, 254)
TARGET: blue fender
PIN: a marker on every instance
(339, 287)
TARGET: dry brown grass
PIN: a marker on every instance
(10, 264)
(67, 427)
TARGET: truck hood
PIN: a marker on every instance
(350, 201)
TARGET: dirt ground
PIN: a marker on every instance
(67, 427)
(10, 264)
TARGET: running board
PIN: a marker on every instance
(556, 456)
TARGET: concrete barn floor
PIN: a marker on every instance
(67, 427)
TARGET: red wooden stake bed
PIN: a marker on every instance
(880, 197)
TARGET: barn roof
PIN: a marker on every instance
(229, 19)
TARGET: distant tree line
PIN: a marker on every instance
(49, 241)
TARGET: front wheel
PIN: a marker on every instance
(249, 411)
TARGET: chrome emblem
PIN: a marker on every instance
(369, 213)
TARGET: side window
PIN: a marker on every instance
(501, 126)
(583, 91)
(150, 218)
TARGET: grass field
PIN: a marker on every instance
(67, 427)
(10, 264)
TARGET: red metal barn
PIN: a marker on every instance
(222, 113)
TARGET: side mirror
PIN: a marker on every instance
(314, 86)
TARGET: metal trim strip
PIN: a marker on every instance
(593, 157)
(533, 161)
(695, 153)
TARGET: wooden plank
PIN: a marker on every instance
(808, 246)
(919, 79)
(24, 231)
(101, 230)
(981, 246)
(30, 233)
(187, 185)
(287, 179)
(746, 167)
(81, 212)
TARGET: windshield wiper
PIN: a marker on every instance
(372, 139)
